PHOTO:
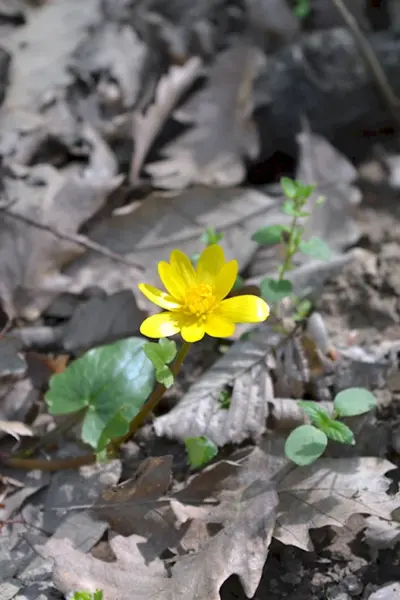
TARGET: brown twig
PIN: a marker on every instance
(81, 240)
(368, 54)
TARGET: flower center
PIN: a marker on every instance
(200, 300)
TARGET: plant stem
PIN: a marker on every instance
(155, 397)
(87, 459)
(290, 251)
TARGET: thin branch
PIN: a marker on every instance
(81, 240)
(371, 60)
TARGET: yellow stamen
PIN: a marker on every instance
(200, 300)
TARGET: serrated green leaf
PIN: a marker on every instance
(269, 236)
(290, 208)
(337, 431)
(106, 380)
(289, 187)
(200, 451)
(313, 411)
(211, 236)
(305, 444)
(354, 401)
(316, 248)
(274, 291)
(165, 376)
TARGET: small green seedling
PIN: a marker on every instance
(308, 442)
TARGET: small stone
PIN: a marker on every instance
(353, 585)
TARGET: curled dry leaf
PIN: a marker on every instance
(16, 429)
(321, 164)
(212, 151)
(146, 126)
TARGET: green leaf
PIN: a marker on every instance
(165, 376)
(289, 187)
(269, 236)
(195, 258)
(316, 248)
(290, 208)
(302, 310)
(313, 411)
(274, 291)
(339, 432)
(335, 430)
(161, 353)
(305, 444)
(354, 401)
(302, 9)
(106, 380)
(200, 451)
(225, 399)
(211, 236)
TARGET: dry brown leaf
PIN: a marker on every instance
(133, 507)
(30, 258)
(16, 429)
(244, 368)
(212, 151)
(163, 222)
(328, 493)
(321, 164)
(147, 125)
(246, 513)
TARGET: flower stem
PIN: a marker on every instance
(155, 396)
(291, 250)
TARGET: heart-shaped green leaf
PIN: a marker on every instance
(107, 381)
(305, 444)
(316, 248)
(269, 236)
(274, 291)
(354, 401)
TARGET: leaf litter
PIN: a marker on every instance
(59, 172)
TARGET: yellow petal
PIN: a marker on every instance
(210, 263)
(173, 283)
(182, 265)
(219, 327)
(162, 325)
(225, 279)
(158, 297)
(192, 331)
(244, 309)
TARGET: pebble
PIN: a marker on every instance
(353, 585)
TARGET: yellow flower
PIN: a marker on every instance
(194, 300)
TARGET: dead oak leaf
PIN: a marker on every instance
(246, 514)
(30, 258)
(212, 151)
(328, 493)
